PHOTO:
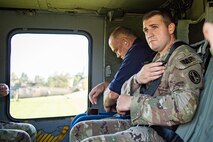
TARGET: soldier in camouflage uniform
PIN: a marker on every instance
(10, 131)
(174, 102)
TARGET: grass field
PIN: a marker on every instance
(49, 106)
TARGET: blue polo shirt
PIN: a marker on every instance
(135, 58)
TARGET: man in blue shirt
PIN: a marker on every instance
(134, 53)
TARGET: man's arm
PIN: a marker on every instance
(110, 99)
(96, 91)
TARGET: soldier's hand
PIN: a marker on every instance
(4, 89)
(123, 104)
(96, 91)
(150, 72)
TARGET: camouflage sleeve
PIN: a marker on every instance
(175, 100)
(130, 86)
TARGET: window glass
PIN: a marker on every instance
(48, 75)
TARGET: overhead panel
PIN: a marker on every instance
(130, 6)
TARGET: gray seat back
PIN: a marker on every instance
(200, 129)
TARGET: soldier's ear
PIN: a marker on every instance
(171, 28)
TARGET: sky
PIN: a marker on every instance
(49, 54)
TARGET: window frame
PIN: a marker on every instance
(45, 31)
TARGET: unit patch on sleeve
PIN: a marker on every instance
(194, 76)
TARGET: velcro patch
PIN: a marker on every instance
(188, 60)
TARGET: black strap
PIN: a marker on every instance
(155, 83)
(167, 134)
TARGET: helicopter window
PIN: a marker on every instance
(48, 75)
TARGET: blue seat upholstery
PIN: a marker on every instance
(85, 116)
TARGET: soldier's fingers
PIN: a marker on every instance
(157, 68)
(156, 73)
(152, 76)
(121, 112)
(154, 64)
(155, 77)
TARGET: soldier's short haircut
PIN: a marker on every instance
(167, 17)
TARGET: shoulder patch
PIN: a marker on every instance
(194, 76)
